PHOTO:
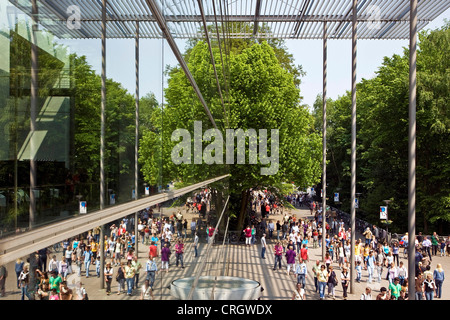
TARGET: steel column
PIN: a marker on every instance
(136, 141)
(102, 135)
(324, 143)
(353, 145)
(33, 109)
(103, 107)
(412, 149)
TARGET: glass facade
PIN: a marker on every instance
(50, 119)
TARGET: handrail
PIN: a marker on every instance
(18, 246)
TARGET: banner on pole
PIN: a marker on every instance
(383, 212)
(83, 207)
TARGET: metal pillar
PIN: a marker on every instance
(324, 143)
(103, 107)
(33, 107)
(353, 143)
(412, 150)
(136, 142)
(102, 140)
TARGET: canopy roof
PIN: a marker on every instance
(294, 19)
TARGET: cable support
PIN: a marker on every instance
(208, 249)
(212, 58)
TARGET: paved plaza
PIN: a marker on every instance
(237, 260)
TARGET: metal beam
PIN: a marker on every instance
(169, 38)
(256, 18)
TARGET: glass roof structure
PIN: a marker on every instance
(293, 19)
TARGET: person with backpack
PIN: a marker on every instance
(120, 278)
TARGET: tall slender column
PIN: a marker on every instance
(353, 145)
(33, 106)
(136, 142)
(324, 143)
(102, 140)
(103, 107)
(412, 149)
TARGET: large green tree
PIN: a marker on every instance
(262, 94)
(382, 137)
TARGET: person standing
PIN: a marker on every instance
(87, 254)
(367, 295)
(290, 259)
(179, 251)
(438, 277)
(345, 280)
(434, 243)
(120, 278)
(3, 276)
(165, 255)
(419, 285)
(263, 246)
(129, 277)
(278, 250)
(370, 261)
(322, 278)
(151, 269)
(196, 244)
(315, 269)
(429, 287)
(332, 282)
(137, 267)
(301, 271)
(109, 271)
(248, 235)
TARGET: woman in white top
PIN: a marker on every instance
(146, 291)
(299, 293)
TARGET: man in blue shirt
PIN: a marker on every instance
(370, 260)
(87, 254)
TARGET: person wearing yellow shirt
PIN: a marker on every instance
(357, 252)
(94, 249)
(322, 278)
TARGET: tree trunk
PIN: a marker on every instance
(243, 212)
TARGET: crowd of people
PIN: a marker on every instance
(375, 257)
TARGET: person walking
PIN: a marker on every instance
(438, 277)
(301, 271)
(315, 269)
(147, 291)
(322, 278)
(429, 287)
(278, 251)
(109, 271)
(290, 259)
(179, 251)
(345, 280)
(165, 256)
(3, 276)
(151, 268)
(120, 278)
(367, 295)
(332, 282)
(370, 262)
(248, 235)
(137, 267)
(263, 246)
(419, 279)
(129, 277)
